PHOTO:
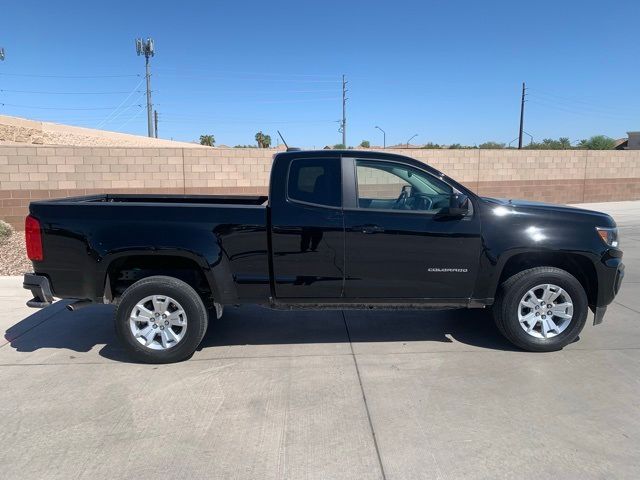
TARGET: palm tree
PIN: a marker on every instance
(263, 141)
(208, 140)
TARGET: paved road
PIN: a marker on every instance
(334, 395)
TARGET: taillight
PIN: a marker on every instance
(34, 238)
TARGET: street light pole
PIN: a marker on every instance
(384, 137)
(411, 139)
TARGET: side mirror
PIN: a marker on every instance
(458, 206)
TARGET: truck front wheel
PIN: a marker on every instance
(161, 320)
(541, 309)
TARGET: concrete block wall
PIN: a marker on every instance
(227, 171)
(36, 172)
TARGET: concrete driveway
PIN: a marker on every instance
(313, 395)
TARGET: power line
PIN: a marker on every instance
(566, 99)
(182, 119)
(272, 74)
(55, 108)
(62, 93)
(226, 77)
(66, 76)
(171, 119)
(585, 107)
(136, 115)
(135, 89)
(324, 76)
(267, 102)
(250, 91)
(581, 113)
(126, 109)
(63, 119)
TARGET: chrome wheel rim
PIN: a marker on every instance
(158, 322)
(545, 311)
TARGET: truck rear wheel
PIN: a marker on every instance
(161, 320)
(542, 309)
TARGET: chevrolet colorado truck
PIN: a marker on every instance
(338, 230)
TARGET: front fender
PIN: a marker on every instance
(560, 237)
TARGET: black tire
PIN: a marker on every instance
(185, 295)
(505, 308)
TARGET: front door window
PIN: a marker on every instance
(394, 186)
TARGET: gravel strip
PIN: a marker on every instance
(13, 256)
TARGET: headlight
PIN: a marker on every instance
(608, 235)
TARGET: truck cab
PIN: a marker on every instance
(353, 228)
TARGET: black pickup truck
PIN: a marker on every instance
(339, 229)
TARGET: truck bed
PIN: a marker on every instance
(159, 198)
(83, 236)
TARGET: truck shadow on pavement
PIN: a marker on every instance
(57, 328)
(260, 326)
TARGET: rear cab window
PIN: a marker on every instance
(315, 181)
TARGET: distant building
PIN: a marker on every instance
(630, 143)
(634, 141)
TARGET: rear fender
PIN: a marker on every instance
(216, 270)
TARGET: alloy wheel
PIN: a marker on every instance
(545, 311)
(158, 322)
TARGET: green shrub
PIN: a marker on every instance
(5, 231)
(598, 142)
(491, 145)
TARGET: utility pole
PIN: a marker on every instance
(343, 123)
(145, 47)
(1, 54)
(524, 89)
(155, 122)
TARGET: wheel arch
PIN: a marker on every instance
(125, 268)
(580, 266)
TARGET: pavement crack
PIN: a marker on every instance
(268, 357)
(364, 398)
(628, 308)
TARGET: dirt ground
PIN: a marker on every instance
(13, 256)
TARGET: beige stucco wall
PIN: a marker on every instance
(32, 172)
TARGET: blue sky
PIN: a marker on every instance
(450, 71)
